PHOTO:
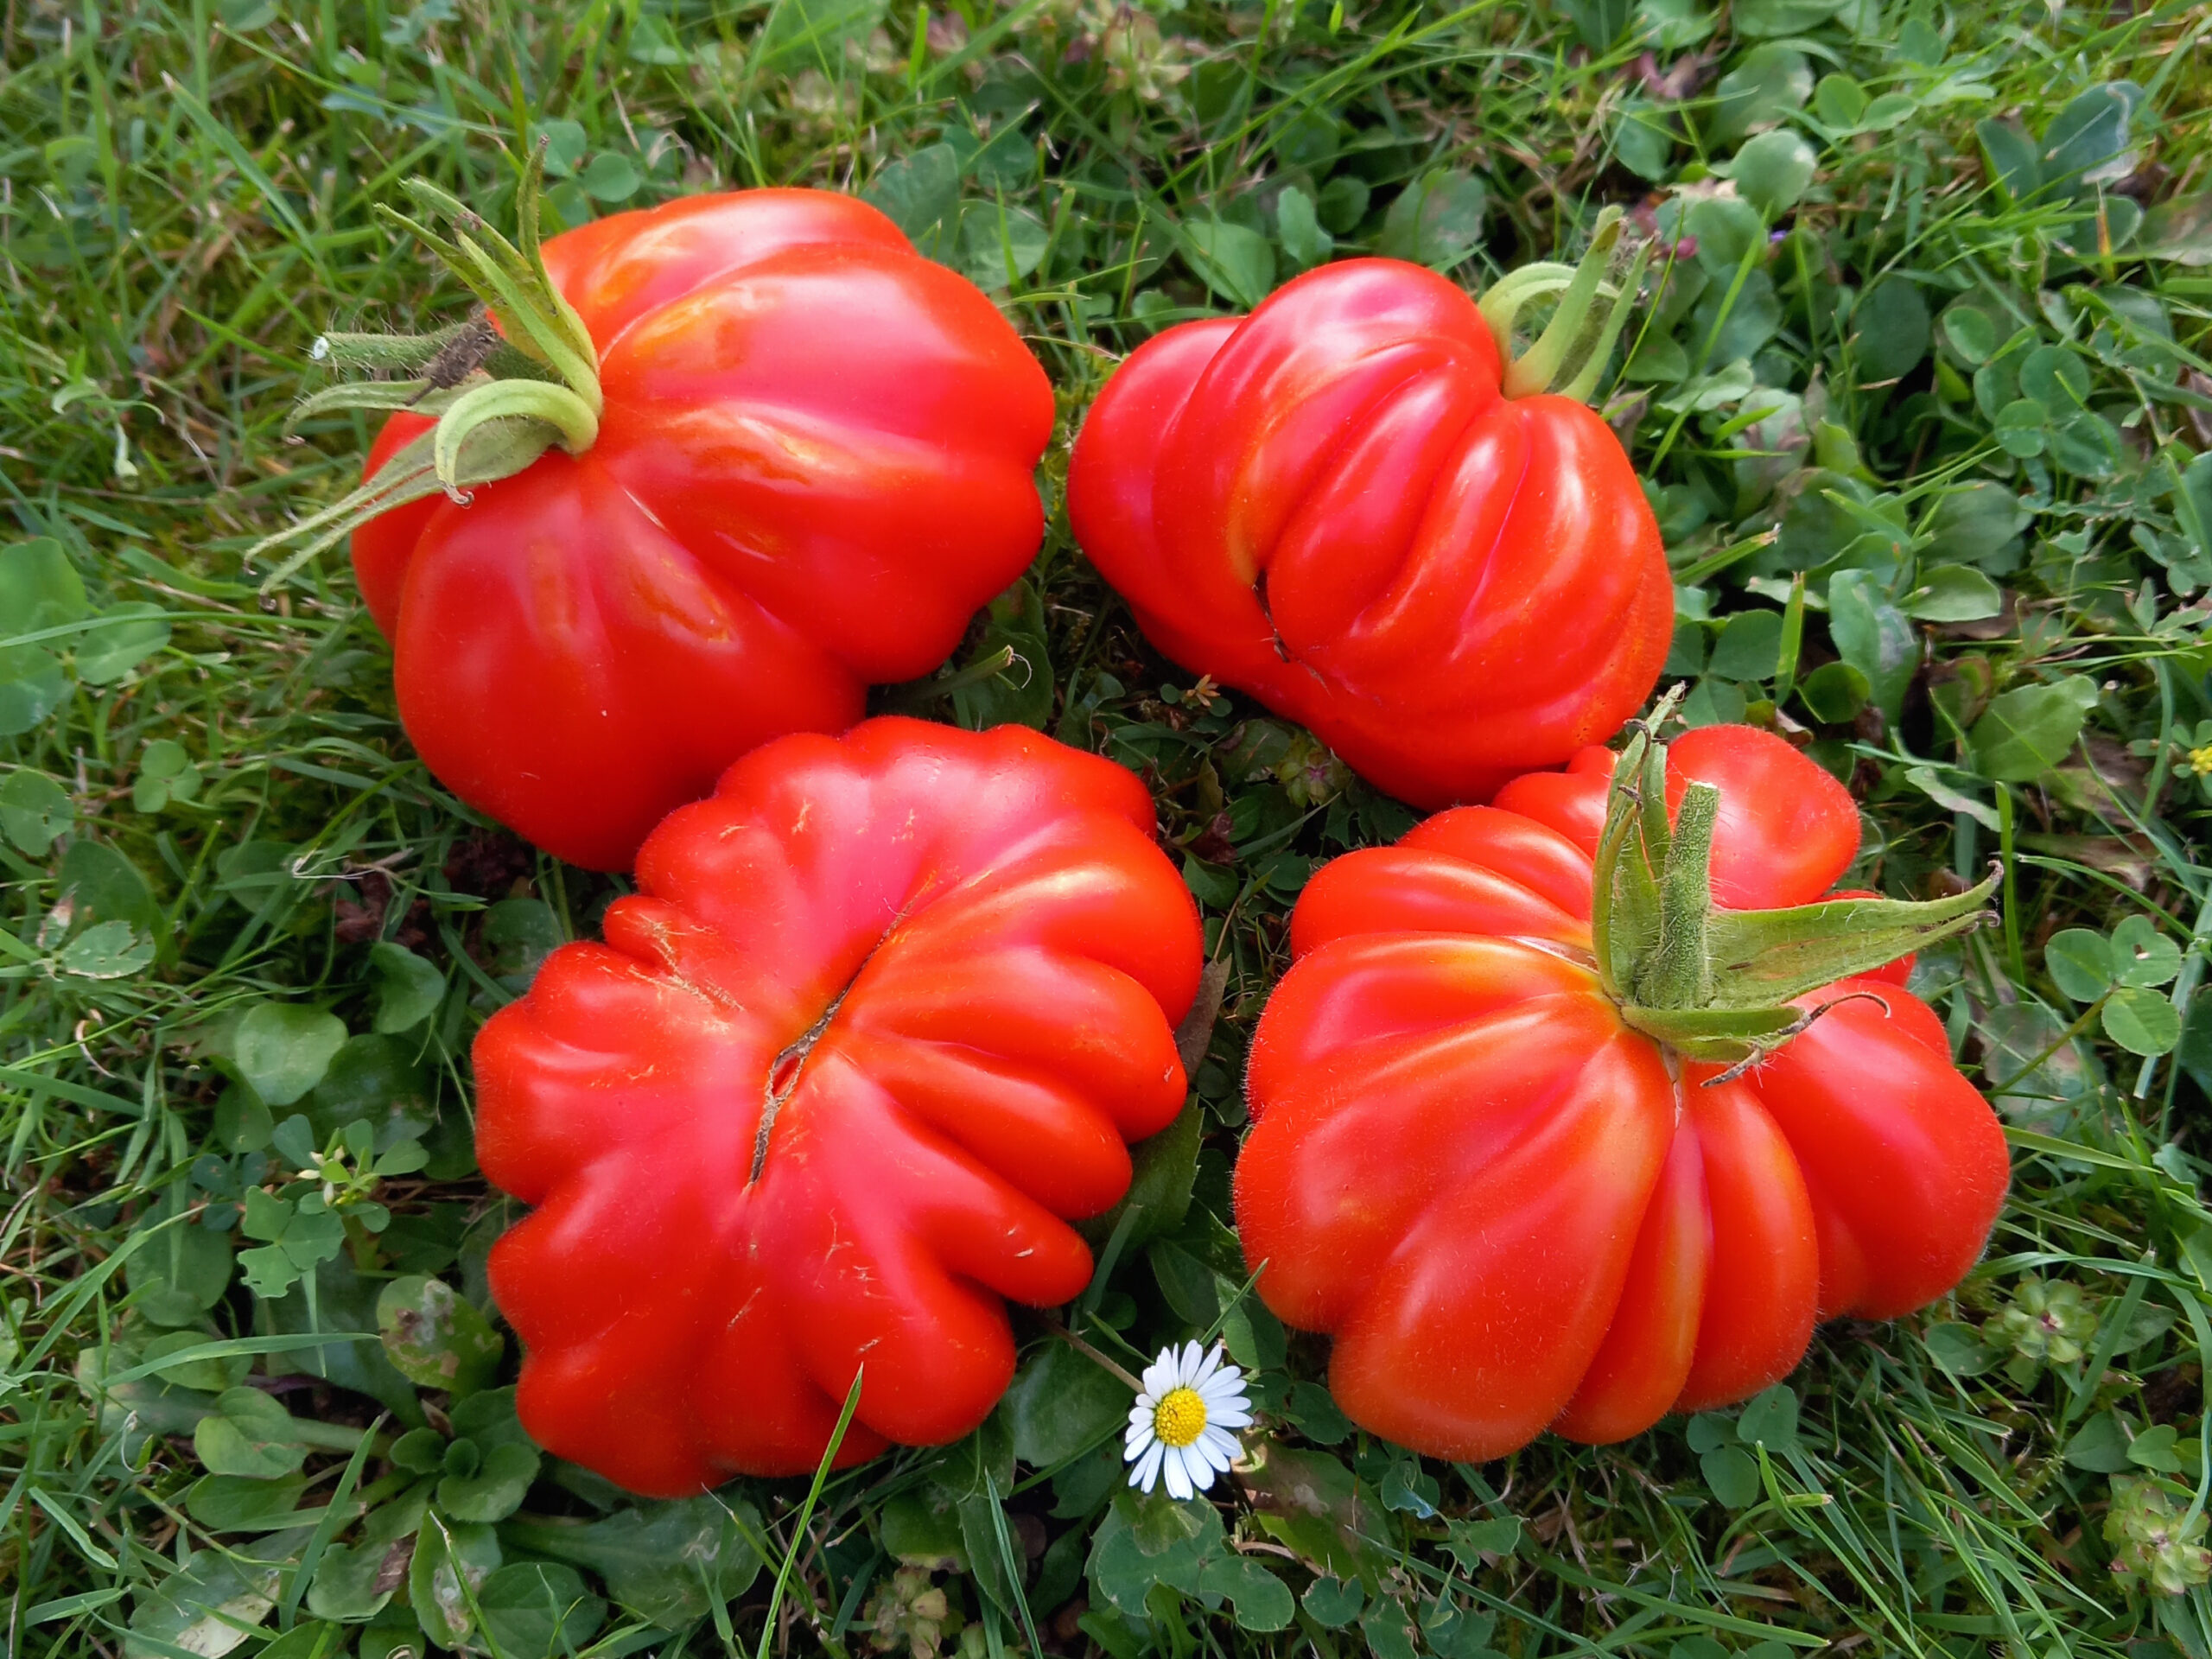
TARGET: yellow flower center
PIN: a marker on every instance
(2200, 760)
(1179, 1417)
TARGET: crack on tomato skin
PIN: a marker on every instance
(1275, 634)
(786, 1069)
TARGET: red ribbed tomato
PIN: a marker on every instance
(1513, 1207)
(883, 1013)
(1331, 505)
(813, 464)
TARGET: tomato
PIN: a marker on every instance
(813, 463)
(1330, 505)
(881, 1017)
(1515, 1207)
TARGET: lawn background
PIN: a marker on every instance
(1924, 398)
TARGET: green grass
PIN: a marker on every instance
(1972, 398)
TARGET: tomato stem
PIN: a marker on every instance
(1568, 338)
(1678, 971)
(1720, 985)
(504, 387)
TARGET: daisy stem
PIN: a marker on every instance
(1104, 1361)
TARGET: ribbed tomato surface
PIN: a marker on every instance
(1330, 505)
(814, 465)
(881, 1017)
(1512, 1210)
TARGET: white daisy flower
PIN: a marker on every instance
(1180, 1427)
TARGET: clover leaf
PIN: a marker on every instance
(301, 1234)
(2123, 972)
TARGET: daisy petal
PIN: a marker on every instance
(1146, 1473)
(1207, 1370)
(1193, 1357)
(1201, 1467)
(1177, 1474)
(1200, 1459)
(1221, 1446)
(1236, 1416)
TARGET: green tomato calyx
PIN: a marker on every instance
(520, 377)
(1720, 985)
(1579, 337)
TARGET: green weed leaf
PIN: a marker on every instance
(408, 987)
(668, 1563)
(1334, 1603)
(1298, 227)
(1774, 168)
(2142, 1022)
(1437, 220)
(2141, 955)
(207, 1607)
(917, 191)
(1262, 1601)
(434, 1338)
(250, 1436)
(282, 1049)
(39, 588)
(448, 1556)
(1733, 1476)
(1892, 331)
(2026, 732)
(34, 811)
(1233, 260)
(539, 1607)
(1061, 1404)
(106, 950)
(1770, 1418)
(125, 636)
(1874, 637)
(2080, 962)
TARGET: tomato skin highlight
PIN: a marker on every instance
(1330, 505)
(1513, 1211)
(957, 960)
(815, 463)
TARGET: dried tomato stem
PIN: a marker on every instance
(1719, 985)
(517, 379)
